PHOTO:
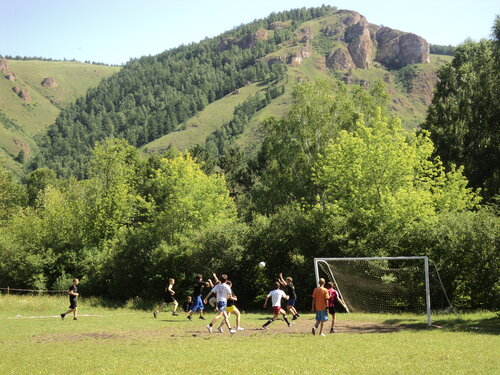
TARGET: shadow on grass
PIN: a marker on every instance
(489, 326)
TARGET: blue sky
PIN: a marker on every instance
(113, 31)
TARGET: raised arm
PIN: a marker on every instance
(281, 280)
(215, 278)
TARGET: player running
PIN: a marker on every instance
(276, 295)
(231, 308)
(73, 303)
(222, 291)
(199, 284)
(168, 297)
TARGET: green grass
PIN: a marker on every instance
(123, 340)
(73, 80)
(199, 127)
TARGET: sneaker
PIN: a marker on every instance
(265, 328)
(240, 329)
(75, 319)
(220, 330)
(190, 317)
(322, 334)
(209, 327)
(202, 317)
(289, 324)
(294, 317)
(333, 330)
(175, 314)
(313, 330)
(297, 315)
(62, 316)
(154, 314)
(232, 331)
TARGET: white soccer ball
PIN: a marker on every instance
(262, 264)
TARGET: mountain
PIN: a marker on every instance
(215, 92)
(32, 93)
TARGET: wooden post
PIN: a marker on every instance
(8, 290)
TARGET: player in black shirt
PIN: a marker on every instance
(289, 289)
(73, 303)
(199, 284)
(168, 298)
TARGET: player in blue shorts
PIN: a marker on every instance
(320, 298)
(199, 284)
(222, 291)
(289, 290)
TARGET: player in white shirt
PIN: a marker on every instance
(276, 295)
(222, 291)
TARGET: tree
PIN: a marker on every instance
(292, 146)
(38, 180)
(12, 195)
(464, 117)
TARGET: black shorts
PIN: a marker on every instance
(331, 309)
(168, 298)
(73, 304)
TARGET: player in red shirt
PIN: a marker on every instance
(333, 296)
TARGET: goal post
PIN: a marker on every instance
(380, 284)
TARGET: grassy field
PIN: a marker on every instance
(127, 340)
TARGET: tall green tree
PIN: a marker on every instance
(292, 145)
(464, 117)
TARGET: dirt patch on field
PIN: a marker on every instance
(199, 329)
(303, 326)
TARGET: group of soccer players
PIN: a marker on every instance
(323, 302)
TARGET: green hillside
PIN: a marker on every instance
(410, 93)
(21, 121)
(216, 92)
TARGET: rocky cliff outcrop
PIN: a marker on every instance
(397, 49)
(49, 82)
(276, 25)
(4, 67)
(305, 35)
(393, 48)
(5, 70)
(248, 41)
(339, 60)
(24, 94)
(303, 53)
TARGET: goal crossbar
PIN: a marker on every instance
(426, 274)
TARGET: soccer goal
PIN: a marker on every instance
(382, 284)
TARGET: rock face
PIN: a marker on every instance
(49, 82)
(397, 49)
(394, 49)
(354, 30)
(303, 53)
(248, 41)
(361, 48)
(276, 25)
(305, 34)
(24, 94)
(339, 60)
(4, 67)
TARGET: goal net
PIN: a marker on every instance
(384, 284)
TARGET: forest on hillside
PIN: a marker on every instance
(152, 95)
